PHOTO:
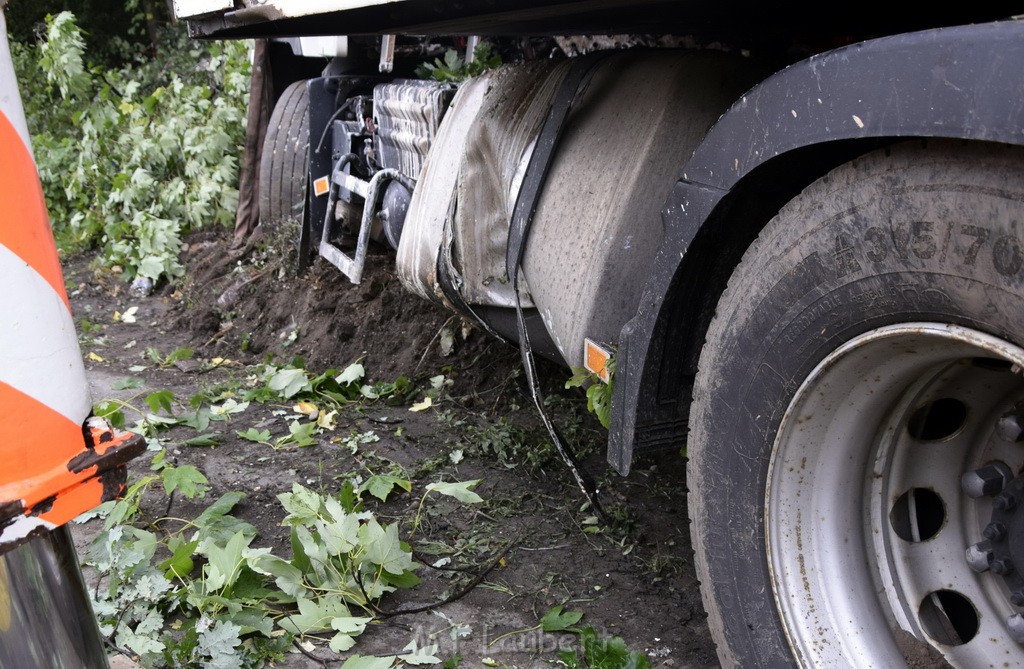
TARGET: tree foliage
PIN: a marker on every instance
(114, 30)
(133, 157)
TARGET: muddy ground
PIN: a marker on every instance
(632, 577)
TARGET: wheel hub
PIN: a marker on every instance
(1001, 552)
(898, 452)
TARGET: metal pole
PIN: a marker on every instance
(46, 620)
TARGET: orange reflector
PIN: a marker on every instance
(321, 186)
(595, 359)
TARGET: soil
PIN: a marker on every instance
(632, 576)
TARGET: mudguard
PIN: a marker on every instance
(959, 82)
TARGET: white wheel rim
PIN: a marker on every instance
(853, 441)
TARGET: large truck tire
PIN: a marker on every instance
(855, 436)
(283, 163)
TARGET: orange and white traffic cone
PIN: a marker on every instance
(55, 461)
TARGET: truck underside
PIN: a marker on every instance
(800, 236)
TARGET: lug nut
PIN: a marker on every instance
(1015, 626)
(1011, 426)
(986, 481)
(994, 531)
(979, 556)
(1005, 501)
(1002, 567)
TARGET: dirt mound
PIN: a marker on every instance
(256, 302)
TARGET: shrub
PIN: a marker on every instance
(132, 158)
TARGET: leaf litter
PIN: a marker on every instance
(477, 528)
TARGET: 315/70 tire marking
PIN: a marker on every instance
(918, 240)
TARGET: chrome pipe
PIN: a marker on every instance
(46, 620)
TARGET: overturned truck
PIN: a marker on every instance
(800, 238)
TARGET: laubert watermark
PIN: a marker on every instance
(487, 639)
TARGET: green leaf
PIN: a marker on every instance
(314, 615)
(570, 659)
(216, 527)
(224, 564)
(556, 620)
(289, 382)
(162, 399)
(199, 420)
(299, 557)
(383, 547)
(208, 439)
(459, 490)
(347, 628)
(110, 410)
(341, 536)
(251, 621)
(288, 576)
(302, 504)
(229, 407)
(186, 478)
(580, 376)
(299, 435)
(404, 581)
(352, 373)
(609, 653)
(218, 644)
(223, 506)
(599, 401)
(381, 485)
(177, 355)
(180, 564)
(128, 384)
(258, 436)
(348, 497)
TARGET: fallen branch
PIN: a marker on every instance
(457, 596)
(315, 658)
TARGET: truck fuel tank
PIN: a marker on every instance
(598, 220)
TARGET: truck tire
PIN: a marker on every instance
(856, 427)
(283, 163)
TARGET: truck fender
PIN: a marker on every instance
(962, 82)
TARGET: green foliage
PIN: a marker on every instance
(461, 491)
(186, 478)
(599, 393)
(454, 69)
(597, 652)
(558, 620)
(61, 56)
(132, 158)
(382, 485)
(196, 593)
(177, 355)
(509, 444)
(114, 29)
(602, 653)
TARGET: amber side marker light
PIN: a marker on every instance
(595, 359)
